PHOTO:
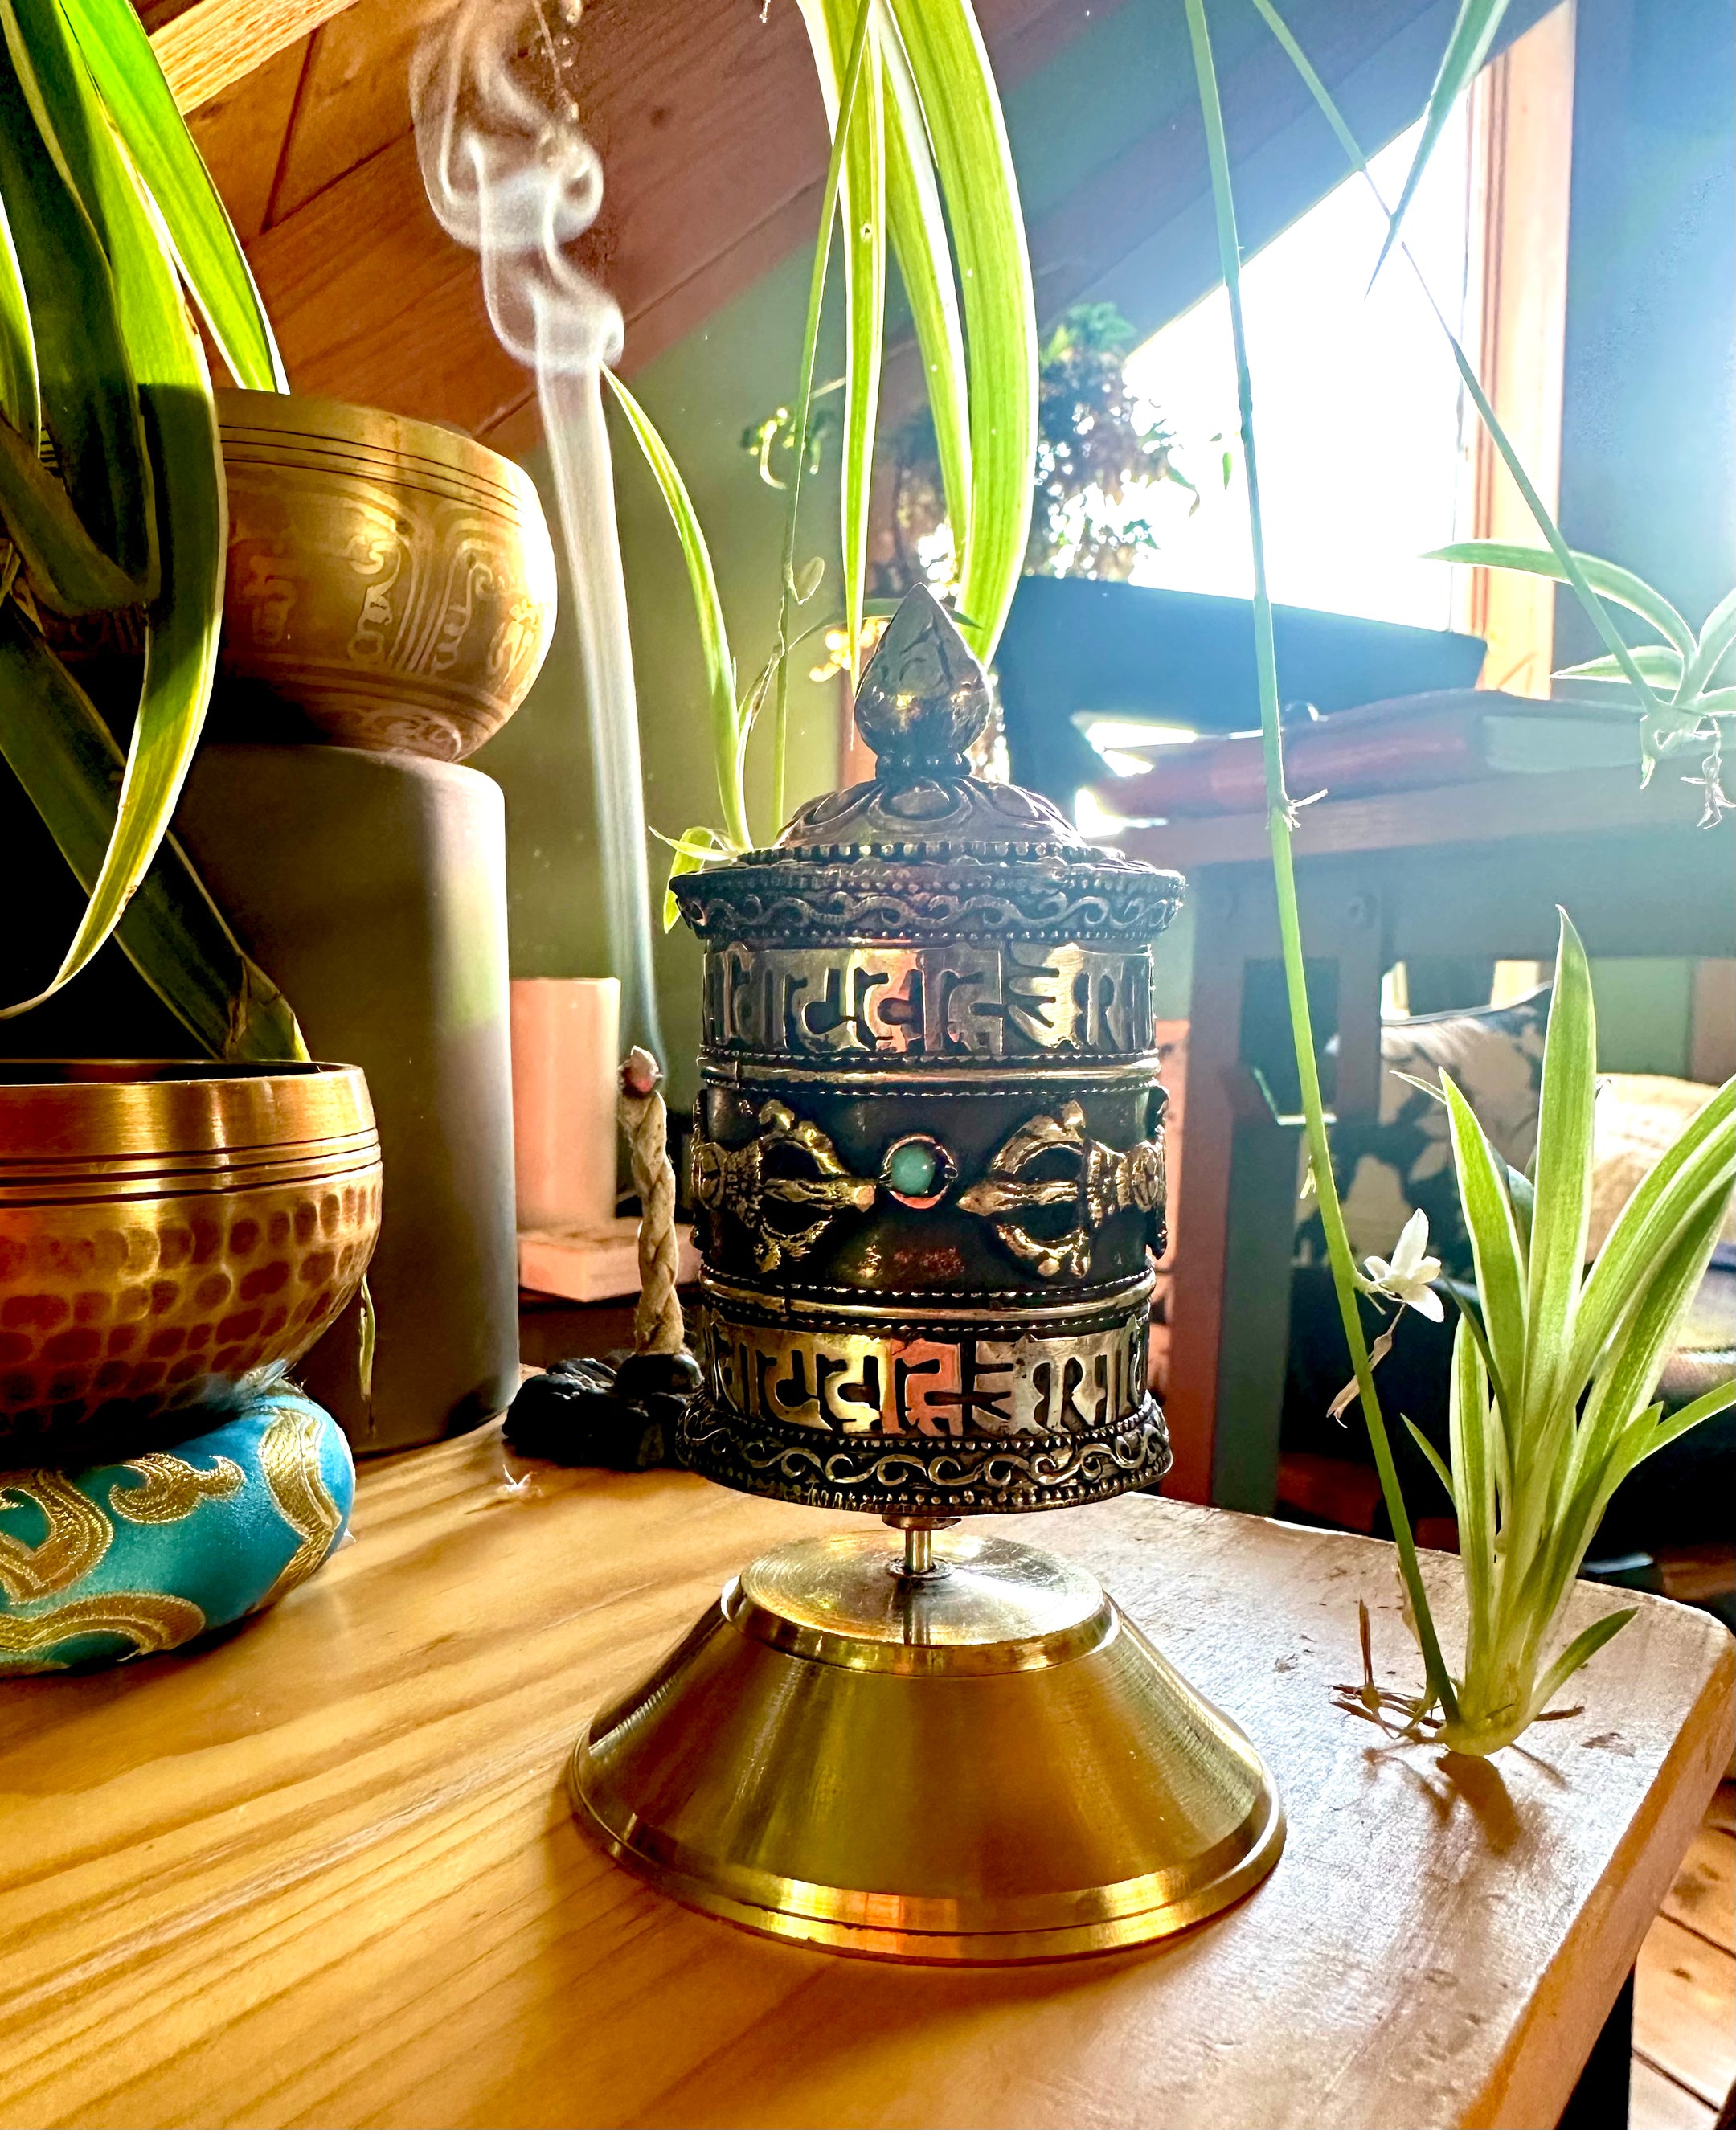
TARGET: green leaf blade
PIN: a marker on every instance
(720, 672)
(862, 216)
(21, 401)
(178, 421)
(1609, 580)
(1473, 32)
(1563, 1175)
(916, 225)
(66, 759)
(88, 396)
(950, 68)
(142, 106)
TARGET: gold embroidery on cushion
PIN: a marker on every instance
(150, 1619)
(172, 1489)
(290, 1455)
(79, 1535)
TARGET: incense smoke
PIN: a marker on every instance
(509, 174)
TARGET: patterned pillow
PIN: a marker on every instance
(1387, 1167)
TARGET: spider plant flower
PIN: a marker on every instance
(1408, 1279)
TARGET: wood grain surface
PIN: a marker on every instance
(324, 1872)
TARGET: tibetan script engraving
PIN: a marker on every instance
(972, 1000)
(851, 1382)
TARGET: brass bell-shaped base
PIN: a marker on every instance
(982, 1759)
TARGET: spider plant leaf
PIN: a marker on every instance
(1627, 1380)
(65, 758)
(1660, 662)
(1437, 1464)
(1706, 1406)
(1715, 639)
(89, 400)
(690, 852)
(1571, 571)
(917, 225)
(1563, 1176)
(1583, 1646)
(68, 572)
(1439, 1680)
(1607, 579)
(863, 212)
(1467, 49)
(118, 53)
(179, 423)
(1696, 1164)
(856, 65)
(720, 671)
(1471, 1422)
(951, 71)
(1499, 1255)
(20, 404)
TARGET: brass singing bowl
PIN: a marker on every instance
(167, 1230)
(390, 580)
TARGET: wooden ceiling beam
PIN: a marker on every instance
(209, 47)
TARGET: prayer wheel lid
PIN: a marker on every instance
(908, 851)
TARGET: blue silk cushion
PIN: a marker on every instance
(126, 1560)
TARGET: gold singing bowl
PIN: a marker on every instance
(391, 579)
(167, 1228)
(987, 1764)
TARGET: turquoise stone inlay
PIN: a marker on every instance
(913, 1169)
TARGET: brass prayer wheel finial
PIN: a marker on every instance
(923, 698)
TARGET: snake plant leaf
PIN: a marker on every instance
(1467, 49)
(68, 572)
(968, 133)
(89, 401)
(862, 214)
(720, 669)
(917, 225)
(179, 419)
(1608, 579)
(142, 106)
(66, 759)
(21, 403)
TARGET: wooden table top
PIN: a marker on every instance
(325, 1873)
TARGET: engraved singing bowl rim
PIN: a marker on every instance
(120, 1116)
(275, 429)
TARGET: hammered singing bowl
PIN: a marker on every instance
(391, 580)
(168, 1229)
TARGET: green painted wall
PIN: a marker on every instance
(702, 394)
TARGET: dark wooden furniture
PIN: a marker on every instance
(1474, 869)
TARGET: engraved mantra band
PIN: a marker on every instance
(858, 1384)
(970, 1000)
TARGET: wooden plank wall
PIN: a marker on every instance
(712, 138)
